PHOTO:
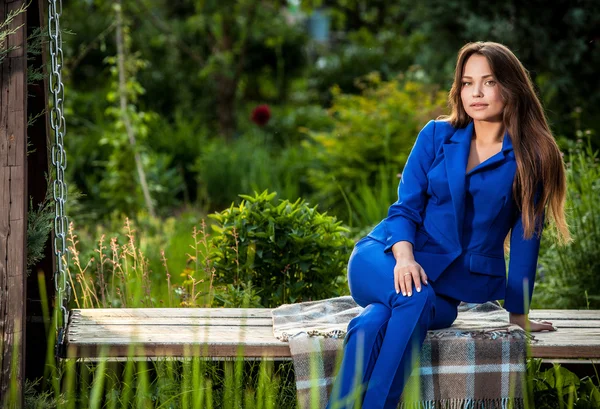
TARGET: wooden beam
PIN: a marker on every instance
(225, 333)
(37, 340)
(13, 207)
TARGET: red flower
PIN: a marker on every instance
(261, 115)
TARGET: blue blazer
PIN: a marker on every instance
(466, 259)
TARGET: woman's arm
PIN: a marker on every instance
(406, 214)
(521, 268)
(521, 277)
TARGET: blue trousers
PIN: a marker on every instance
(383, 342)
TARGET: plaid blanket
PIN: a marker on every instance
(479, 362)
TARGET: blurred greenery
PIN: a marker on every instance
(343, 110)
(568, 276)
(374, 129)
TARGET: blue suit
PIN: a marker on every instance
(457, 223)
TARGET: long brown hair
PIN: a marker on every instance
(540, 167)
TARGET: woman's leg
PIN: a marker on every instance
(446, 311)
(390, 348)
(361, 349)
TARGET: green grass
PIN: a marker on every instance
(120, 277)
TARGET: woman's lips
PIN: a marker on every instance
(479, 106)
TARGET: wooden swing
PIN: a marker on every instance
(226, 333)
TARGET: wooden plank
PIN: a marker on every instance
(153, 331)
(17, 198)
(565, 314)
(266, 312)
(143, 313)
(171, 334)
(174, 334)
(178, 321)
(219, 321)
(281, 351)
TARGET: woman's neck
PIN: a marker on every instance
(488, 133)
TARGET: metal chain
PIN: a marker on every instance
(59, 160)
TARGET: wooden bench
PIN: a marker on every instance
(225, 333)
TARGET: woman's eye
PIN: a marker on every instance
(491, 82)
(466, 83)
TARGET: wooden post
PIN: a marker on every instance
(13, 207)
(36, 343)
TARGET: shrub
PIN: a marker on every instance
(376, 128)
(559, 385)
(289, 250)
(569, 275)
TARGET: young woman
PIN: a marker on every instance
(487, 171)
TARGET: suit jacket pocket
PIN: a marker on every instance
(488, 265)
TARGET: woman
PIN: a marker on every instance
(487, 171)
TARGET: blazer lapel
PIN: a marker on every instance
(507, 150)
(456, 152)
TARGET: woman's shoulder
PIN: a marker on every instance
(440, 129)
(443, 125)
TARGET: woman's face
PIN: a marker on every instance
(480, 93)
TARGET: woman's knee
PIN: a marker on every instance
(370, 272)
(425, 298)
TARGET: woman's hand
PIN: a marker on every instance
(407, 271)
(524, 322)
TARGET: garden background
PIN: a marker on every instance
(172, 193)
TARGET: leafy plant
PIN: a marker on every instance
(557, 387)
(569, 275)
(289, 250)
(369, 202)
(39, 226)
(370, 130)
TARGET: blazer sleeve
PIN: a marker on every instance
(406, 214)
(522, 267)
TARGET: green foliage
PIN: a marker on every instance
(120, 187)
(244, 295)
(369, 203)
(39, 226)
(561, 61)
(289, 123)
(364, 51)
(289, 250)
(6, 31)
(569, 275)
(249, 163)
(557, 387)
(370, 130)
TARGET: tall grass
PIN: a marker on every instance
(569, 275)
(119, 278)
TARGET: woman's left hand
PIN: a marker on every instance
(524, 322)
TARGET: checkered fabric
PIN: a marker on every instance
(479, 362)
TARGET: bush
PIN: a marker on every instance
(373, 129)
(568, 276)
(558, 384)
(289, 250)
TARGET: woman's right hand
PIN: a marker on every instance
(407, 271)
